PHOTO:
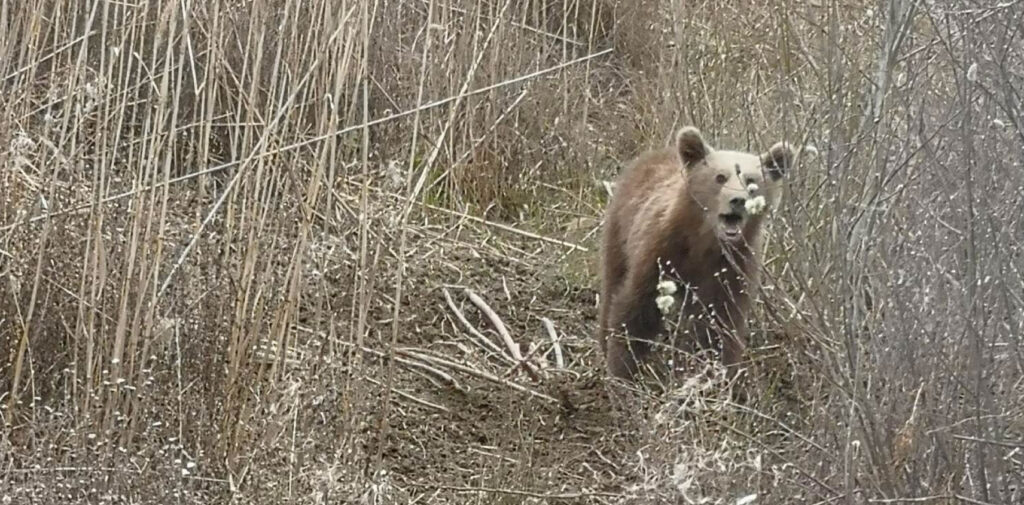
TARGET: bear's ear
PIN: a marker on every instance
(691, 146)
(778, 160)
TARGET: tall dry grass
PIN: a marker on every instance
(225, 227)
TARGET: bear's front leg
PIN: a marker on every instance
(734, 346)
(734, 333)
(713, 327)
(635, 323)
(625, 353)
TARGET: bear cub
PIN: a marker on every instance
(691, 214)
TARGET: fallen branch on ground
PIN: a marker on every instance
(476, 373)
(550, 327)
(484, 341)
(513, 347)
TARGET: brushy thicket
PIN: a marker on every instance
(237, 237)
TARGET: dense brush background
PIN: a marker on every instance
(243, 246)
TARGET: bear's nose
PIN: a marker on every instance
(737, 203)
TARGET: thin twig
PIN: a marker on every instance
(407, 396)
(1013, 444)
(926, 499)
(531, 494)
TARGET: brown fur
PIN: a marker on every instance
(666, 212)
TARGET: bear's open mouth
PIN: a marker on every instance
(731, 225)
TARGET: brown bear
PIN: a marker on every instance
(692, 214)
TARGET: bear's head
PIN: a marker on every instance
(735, 189)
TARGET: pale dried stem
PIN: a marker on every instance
(550, 327)
(499, 325)
(484, 342)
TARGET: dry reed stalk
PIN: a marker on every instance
(297, 145)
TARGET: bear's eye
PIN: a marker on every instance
(750, 180)
(721, 178)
